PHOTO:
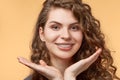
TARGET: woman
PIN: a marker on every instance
(69, 45)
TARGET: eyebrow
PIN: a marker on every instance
(61, 23)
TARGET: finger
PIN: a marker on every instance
(93, 57)
(89, 60)
(43, 69)
(23, 61)
(30, 64)
(43, 63)
(83, 64)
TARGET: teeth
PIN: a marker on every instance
(64, 46)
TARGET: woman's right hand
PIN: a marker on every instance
(48, 71)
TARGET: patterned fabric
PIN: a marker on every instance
(28, 78)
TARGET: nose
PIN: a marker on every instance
(65, 35)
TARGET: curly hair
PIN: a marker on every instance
(102, 68)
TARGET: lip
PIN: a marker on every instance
(64, 46)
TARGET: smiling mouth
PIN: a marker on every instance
(64, 46)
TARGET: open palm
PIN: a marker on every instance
(48, 71)
(70, 73)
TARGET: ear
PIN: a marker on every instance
(41, 34)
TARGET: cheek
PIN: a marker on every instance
(50, 36)
(78, 37)
(78, 40)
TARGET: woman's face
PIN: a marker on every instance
(62, 34)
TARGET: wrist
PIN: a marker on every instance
(69, 76)
(58, 78)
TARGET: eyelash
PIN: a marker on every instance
(55, 27)
(73, 27)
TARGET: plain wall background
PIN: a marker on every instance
(18, 17)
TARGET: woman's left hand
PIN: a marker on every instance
(80, 66)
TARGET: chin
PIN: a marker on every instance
(65, 57)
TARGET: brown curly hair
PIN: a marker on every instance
(102, 68)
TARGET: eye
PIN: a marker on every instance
(55, 27)
(75, 28)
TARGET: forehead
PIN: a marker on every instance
(61, 15)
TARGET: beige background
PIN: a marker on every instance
(18, 17)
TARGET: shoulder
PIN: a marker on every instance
(28, 77)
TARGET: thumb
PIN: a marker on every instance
(43, 63)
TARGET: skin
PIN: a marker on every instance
(63, 38)
(53, 73)
(62, 34)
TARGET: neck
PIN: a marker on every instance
(61, 64)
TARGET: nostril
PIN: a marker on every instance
(65, 37)
(65, 34)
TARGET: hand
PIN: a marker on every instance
(75, 69)
(48, 71)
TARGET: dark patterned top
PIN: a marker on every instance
(28, 77)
